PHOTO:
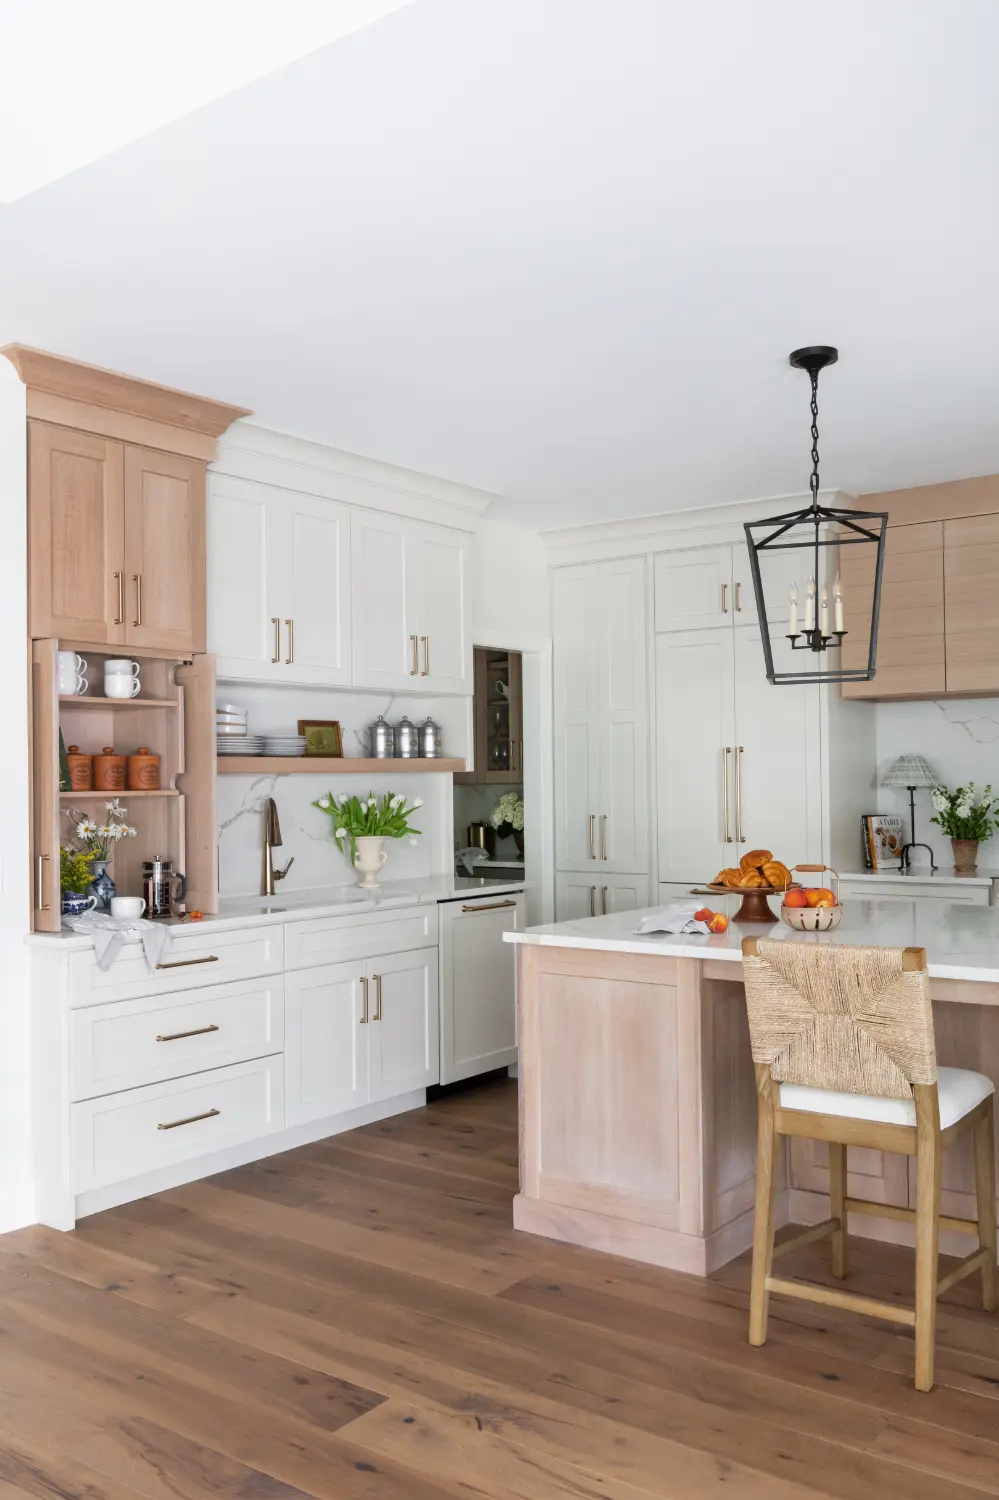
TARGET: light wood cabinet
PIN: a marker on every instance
(164, 549)
(911, 657)
(971, 597)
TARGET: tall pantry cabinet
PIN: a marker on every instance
(601, 735)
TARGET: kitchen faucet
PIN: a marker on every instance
(272, 837)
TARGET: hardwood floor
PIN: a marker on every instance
(358, 1319)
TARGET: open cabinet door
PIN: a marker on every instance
(45, 906)
(197, 782)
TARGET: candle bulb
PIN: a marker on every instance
(824, 612)
(837, 604)
(810, 605)
(792, 618)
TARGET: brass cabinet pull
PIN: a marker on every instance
(291, 643)
(120, 580)
(425, 642)
(187, 963)
(593, 900)
(178, 1036)
(40, 902)
(727, 835)
(209, 1114)
(378, 996)
(414, 670)
(740, 837)
(738, 604)
(724, 598)
(490, 906)
(137, 580)
(364, 991)
(603, 835)
(593, 829)
(277, 640)
(603, 901)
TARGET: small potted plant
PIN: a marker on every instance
(367, 822)
(75, 876)
(507, 817)
(99, 842)
(968, 818)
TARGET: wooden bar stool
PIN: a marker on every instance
(844, 1050)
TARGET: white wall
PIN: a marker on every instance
(960, 739)
(16, 1191)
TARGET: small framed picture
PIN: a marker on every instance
(322, 736)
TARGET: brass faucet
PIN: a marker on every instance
(272, 839)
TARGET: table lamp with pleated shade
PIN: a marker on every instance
(912, 772)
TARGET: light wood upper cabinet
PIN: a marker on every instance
(164, 551)
(971, 569)
(911, 660)
(76, 523)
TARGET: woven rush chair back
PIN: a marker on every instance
(858, 1020)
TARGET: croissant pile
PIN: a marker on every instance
(758, 870)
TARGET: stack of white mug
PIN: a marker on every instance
(121, 678)
(72, 675)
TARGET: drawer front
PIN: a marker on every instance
(333, 940)
(124, 1135)
(128, 1043)
(196, 957)
(907, 890)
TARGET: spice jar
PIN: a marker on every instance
(81, 770)
(109, 771)
(143, 771)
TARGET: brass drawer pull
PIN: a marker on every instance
(277, 640)
(593, 900)
(137, 580)
(414, 670)
(364, 988)
(178, 1036)
(425, 640)
(492, 906)
(603, 835)
(291, 643)
(40, 902)
(186, 963)
(120, 580)
(378, 996)
(209, 1114)
(593, 825)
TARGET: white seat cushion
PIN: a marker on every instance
(958, 1089)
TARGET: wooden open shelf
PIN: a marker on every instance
(123, 795)
(84, 700)
(326, 765)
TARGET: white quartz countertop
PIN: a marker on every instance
(921, 874)
(961, 941)
(332, 901)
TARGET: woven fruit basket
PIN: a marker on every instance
(812, 918)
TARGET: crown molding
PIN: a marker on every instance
(702, 527)
(266, 456)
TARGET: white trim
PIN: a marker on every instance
(703, 527)
(96, 1200)
(17, 1206)
(248, 451)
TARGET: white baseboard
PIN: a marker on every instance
(17, 1206)
(96, 1200)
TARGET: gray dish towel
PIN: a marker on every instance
(109, 935)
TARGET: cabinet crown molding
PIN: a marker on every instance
(71, 380)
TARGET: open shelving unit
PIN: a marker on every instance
(326, 765)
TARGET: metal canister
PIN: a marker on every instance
(407, 739)
(381, 738)
(162, 885)
(430, 739)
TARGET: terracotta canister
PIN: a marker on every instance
(109, 771)
(81, 770)
(143, 771)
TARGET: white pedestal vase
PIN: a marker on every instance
(370, 861)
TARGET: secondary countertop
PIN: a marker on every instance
(961, 942)
(332, 901)
(922, 875)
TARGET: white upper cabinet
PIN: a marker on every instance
(410, 583)
(278, 584)
(601, 749)
(694, 590)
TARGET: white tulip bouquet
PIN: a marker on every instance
(369, 817)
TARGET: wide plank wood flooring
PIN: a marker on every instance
(358, 1319)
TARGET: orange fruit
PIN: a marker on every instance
(819, 895)
(795, 897)
(719, 922)
(704, 915)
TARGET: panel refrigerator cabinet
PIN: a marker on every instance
(478, 985)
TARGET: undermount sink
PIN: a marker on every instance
(289, 900)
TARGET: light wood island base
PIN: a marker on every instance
(638, 1110)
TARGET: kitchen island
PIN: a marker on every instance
(637, 1091)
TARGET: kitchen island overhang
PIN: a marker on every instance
(638, 1096)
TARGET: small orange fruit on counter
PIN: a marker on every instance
(704, 915)
(819, 895)
(719, 922)
(796, 897)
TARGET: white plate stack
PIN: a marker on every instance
(231, 734)
(284, 744)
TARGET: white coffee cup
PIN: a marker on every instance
(72, 683)
(117, 685)
(127, 906)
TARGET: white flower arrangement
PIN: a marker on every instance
(357, 818)
(508, 814)
(100, 839)
(965, 813)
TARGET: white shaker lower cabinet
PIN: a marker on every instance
(478, 985)
(360, 1032)
(598, 895)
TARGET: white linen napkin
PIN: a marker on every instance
(109, 935)
(673, 919)
(469, 858)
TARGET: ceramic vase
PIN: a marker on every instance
(965, 855)
(102, 886)
(75, 903)
(370, 861)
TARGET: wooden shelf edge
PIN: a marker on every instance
(322, 765)
(166, 791)
(85, 700)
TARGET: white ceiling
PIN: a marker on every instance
(561, 248)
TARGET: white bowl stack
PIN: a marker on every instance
(231, 732)
(284, 744)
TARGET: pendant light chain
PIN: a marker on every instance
(813, 483)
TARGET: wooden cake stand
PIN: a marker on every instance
(755, 906)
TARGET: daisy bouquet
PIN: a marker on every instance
(99, 840)
(369, 817)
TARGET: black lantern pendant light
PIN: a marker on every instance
(815, 622)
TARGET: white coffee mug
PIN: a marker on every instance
(117, 685)
(72, 683)
(127, 906)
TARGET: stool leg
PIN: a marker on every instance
(767, 1159)
(985, 1185)
(927, 1229)
(837, 1207)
